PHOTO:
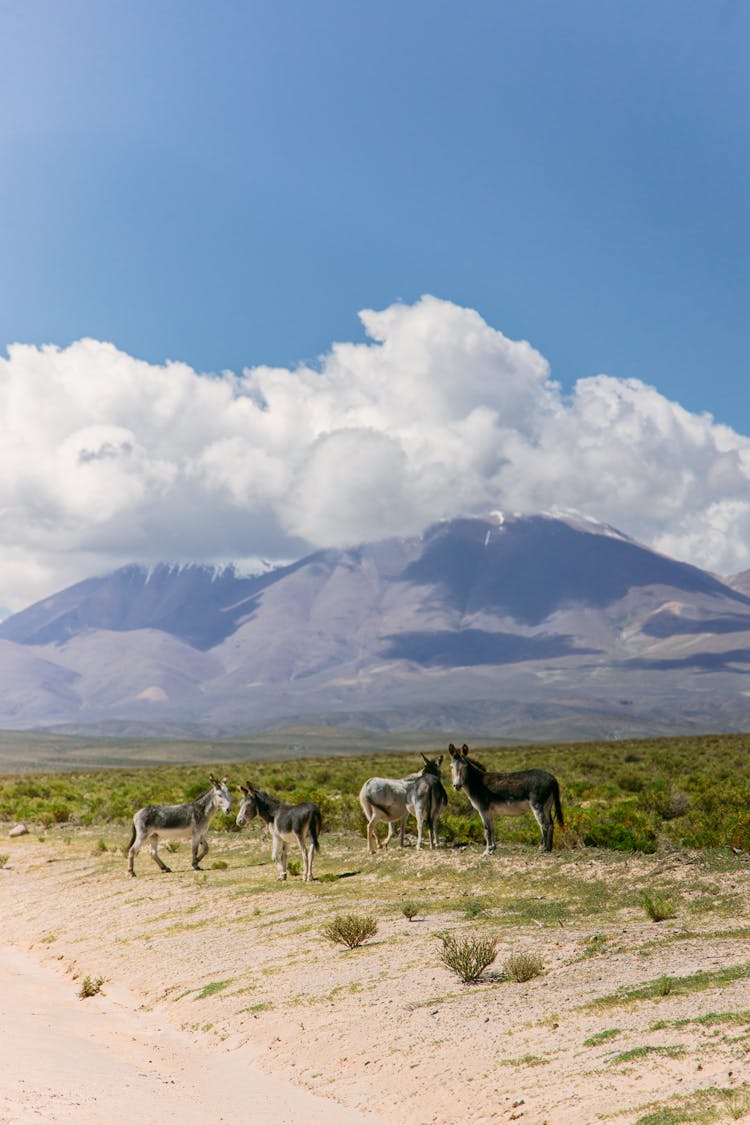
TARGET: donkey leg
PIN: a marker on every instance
(135, 847)
(200, 851)
(489, 832)
(433, 832)
(303, 852)
(278, 855)
(543, 815)
(373, 843)
(420, 823)
(307, 847)
(154, 843)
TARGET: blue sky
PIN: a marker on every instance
(227, 185)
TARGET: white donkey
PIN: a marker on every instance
(391, 799)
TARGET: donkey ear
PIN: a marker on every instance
(425, 759)
(451, 749)
(440, 761)
(242, 789)
(212, 779)
(465, 750)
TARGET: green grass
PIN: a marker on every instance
(212, 989)
(637, 1053)
(673, 986)
(630, 796)
(702, 1107)
(602, 1036)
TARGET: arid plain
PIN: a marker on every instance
(631, 1020)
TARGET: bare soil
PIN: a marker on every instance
(233, 964)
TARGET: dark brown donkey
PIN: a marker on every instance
(510, 794)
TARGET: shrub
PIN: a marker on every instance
(4, 859)
(657, 906)
(521, 967)
(294, 867)
(468, 957)
(409, 909)
(474, 908)
(350, 930)
(625, 829)
(90, 986)
(56, 813)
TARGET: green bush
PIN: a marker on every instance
(468, 957)
(350, 930)
(622, 829)
(521, 967)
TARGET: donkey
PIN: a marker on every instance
(300, 822)
(510, 794)
(191, 819)
(392, 799)
(426, 799)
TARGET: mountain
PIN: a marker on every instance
(515, 627)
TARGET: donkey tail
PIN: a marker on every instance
(132, 838)
(558, 806)
(316, 826)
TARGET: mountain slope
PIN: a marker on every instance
(480, 625)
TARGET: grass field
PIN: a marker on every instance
(638, 1009)
(622, 796)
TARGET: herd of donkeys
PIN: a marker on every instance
(385, 799)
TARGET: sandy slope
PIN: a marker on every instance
(104, 1060)
(221, 992)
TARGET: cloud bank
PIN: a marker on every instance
(106, 459)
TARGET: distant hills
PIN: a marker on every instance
(523, 627)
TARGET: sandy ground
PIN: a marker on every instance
(106, 1061)
(222, 1001)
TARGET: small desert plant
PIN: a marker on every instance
(409, 909)
(601, 1036)
(212, 988)
(4, 859)
(294, 867)
(350, 930)
(738, 1104)
(521, 967)
(171, 846)
(90, 986)
(468, 957)
(664, 986)
(474, 908)
(657, 906)
(219, 865)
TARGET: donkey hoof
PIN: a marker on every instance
(166, 870)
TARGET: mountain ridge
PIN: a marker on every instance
(480, 624)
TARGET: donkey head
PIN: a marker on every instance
(459, 765)
(432, 765)
(248, 805)
(220, 789)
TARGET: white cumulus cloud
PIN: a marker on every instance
(106, 459)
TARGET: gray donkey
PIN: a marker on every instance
(154, 822)
(391, 799)
(510, 794)
(300, 822)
